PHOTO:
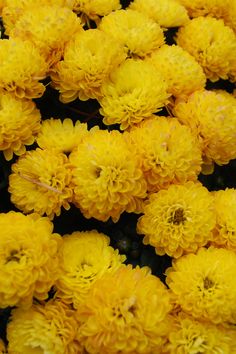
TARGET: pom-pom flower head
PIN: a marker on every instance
(134, 92)
(212, 44)
(125, 312)
(19, 124)
(180, 70)
(44, 328)
(22, 67)
(204, 284)
(88, 60)
(84, 257)
(168, 152)
(40, 182)
(106, 176)
(167, 13)
(28, 256)
(140, 34)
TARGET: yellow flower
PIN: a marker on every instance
(44, 328)
(88, 60)
(214, 8)
(189, 336)
(63, 136)
(125, 312)
(106, 176)
(178, 220)
(84, 257)
(40, 182)
(19, 124)
(180, 70)
(94, 9)
(28, 258)
(140, 34)
(167, 13)
(49, 28)
(167, 151)
(212, 118)
(2, 4)
(204, 284)
(230, 17)
(135, 91)
(2, 347)
(22, 67)
(212, 44)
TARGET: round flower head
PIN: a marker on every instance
(134, 92)
(28, 258)
(107, 176)
(63, 136)
(211, 115)
(180, 70)
(88, 60)
(214, 8)
(204, 284)
(94, 9)
(212, 44)
(84, 257)
(44, 328)
(188, 335)
(167, 13)
(167, 150)
(40, 182)
(125, 312)
(19, 123)
(140, 34)
(49, 28)
(22, 67)
(178, 220)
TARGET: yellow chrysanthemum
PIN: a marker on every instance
(204, 284)
(2, 347)
(88, 60)
(180, 70)
(94, 9)
(178, 220)
(214, 8)
(135, 91)
(40, 182)
(44, 328)
(84, 257)
(49, 28)
(125, 312)
(19, 124)
(167, 150)
(22, 67)
(211, 115)
(63, 136)
(140, 34)
(189, 336)
(107, 176)
(28, 258)
(167, 13)
(212, 44)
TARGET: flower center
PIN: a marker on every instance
(207, 283)
(13, 257)
(177, 217)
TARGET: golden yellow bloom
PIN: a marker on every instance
(125, 312)
(88, 60)
(189, 336)
(167, 150)
(63, 136)
(212, 44)
(135, 91)
(107, 176)
(49, 28)
(2, 347)
(211, 115)
(19, 124)
(84, 257)
(40, 182)
(204, 284)
(2, 4)
(214, 8)
(22, 67)
(178, 220)
(140, 34)
(167, 13)
(230, 17)
(28, 258)
(180, 70)
(93, 9)
(44, 328)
